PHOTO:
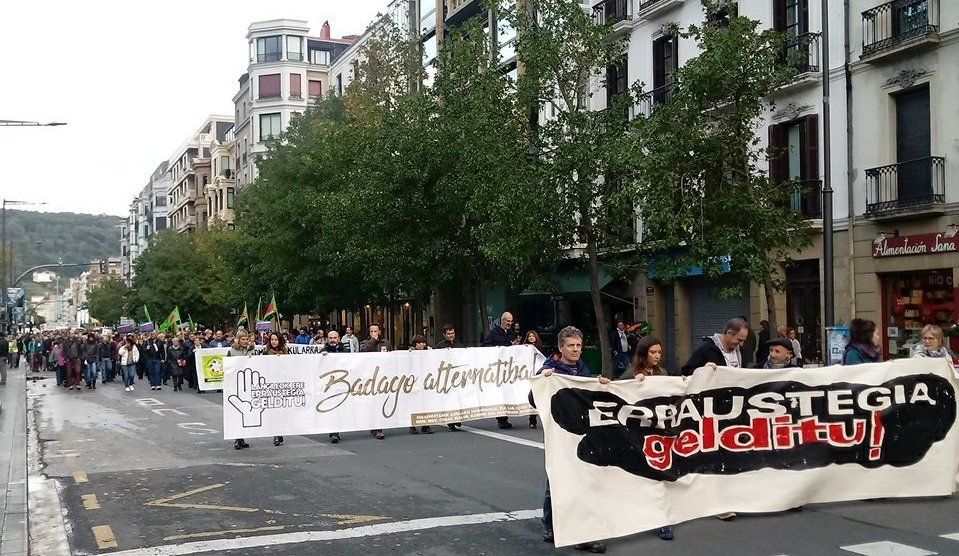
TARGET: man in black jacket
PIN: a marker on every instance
(376, 342)
(449, 338)
(502, 335)
(723, 350)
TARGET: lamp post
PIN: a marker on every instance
(8, 260)
(22, 123)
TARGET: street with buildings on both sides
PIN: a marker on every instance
(148, 473)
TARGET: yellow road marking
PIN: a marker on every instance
(104, 536)
(168, 501)
(206, 534)
(346, 519)
(80, 477)
(90, 502)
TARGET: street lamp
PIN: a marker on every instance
(8, 261)
(22, 123)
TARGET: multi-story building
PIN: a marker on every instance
(190, 172)
(894, 205)
(147, 216)
(221, 190)
(288, 69)
(902, 247)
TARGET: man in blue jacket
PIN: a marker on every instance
(568, 362)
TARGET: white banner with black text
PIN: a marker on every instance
(284, 395)
(667, 450)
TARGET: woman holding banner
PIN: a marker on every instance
(533, 339)
(647, 361)
(242, 347)
(277, 346)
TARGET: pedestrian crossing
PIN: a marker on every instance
(890, 548)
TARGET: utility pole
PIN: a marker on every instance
(828, 274)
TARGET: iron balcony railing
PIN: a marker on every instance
(612, 11)
(650, 99)
(911, 184)
(806, 198)
(894, 22)
(648, 4)
(802, 52)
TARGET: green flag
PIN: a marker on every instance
(271, 310)
(171, 321)
(147, 313)
(244, 317)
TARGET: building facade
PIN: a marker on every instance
(287, 70)
(191, 172)
(148, 215)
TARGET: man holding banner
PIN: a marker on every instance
(569, 362)
(375, 343)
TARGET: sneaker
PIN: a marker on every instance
(335, 438)
(427, 430)
(594, 547)
(548, 536)
(413, 430)
(131, 388)
(379, 435)
(452, 428)
(726, 516)
(532, 422)
(666, 533)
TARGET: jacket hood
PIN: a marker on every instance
(718, 340)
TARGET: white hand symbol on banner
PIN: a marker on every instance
(242, 400)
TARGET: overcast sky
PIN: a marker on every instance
(132, 79)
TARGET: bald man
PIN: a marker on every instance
(502, 335)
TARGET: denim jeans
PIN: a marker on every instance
(129, 372)
(547, 510)
(106, 369)
(91, 374)
(155, 371)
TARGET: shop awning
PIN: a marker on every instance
(576, 281)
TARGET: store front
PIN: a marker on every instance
(916, 285)
(910, 301)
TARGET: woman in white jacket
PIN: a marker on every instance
(129, 355)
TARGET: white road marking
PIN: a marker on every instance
(506, 437)
(886, 548)
(199, 547)
(951, 536)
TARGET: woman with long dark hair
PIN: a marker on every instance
(532, 338)
(276, 345)
(864, 342)
(647, 361)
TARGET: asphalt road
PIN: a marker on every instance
(150, 473)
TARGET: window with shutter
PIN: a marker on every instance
(316, 88)
(269, 85)
(296, 85)
(777, 153)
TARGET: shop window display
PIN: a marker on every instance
(912, 301)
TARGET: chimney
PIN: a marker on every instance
(325, 30)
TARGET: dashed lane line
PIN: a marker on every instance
(506, 437)
(104, 537)
(886, 548)
(224, 545)
(90, 502)
(80, 477)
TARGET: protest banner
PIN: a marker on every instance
(209, 367)
(284, 395)
(667, 450)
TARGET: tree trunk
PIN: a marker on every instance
(602, 324)
(770, 305)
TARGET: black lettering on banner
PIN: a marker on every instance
(777, 425)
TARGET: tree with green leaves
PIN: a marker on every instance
(187, 270)
(566, 57)
(108, 301)
(698, 168)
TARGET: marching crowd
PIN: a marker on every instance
(81, 359)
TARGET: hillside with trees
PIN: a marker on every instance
(37, 238)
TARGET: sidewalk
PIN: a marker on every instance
(13, 465)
